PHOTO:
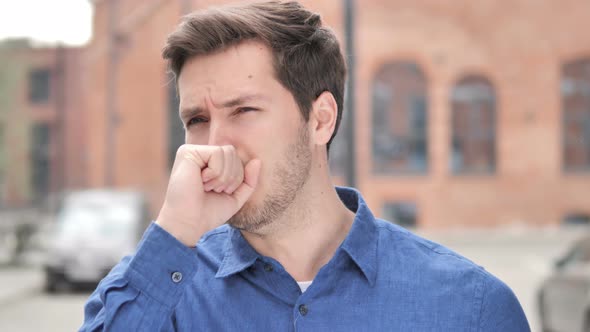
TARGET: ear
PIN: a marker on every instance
(322, 118)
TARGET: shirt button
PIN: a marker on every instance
(303, 310)
(268, 267)
(176, 277)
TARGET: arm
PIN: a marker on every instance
(140, 293)
(207, 186)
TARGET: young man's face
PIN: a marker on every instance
(233, 98)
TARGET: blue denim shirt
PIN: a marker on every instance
(381, 278)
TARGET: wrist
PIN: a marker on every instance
(186, 233)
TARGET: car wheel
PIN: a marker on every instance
(55, 283)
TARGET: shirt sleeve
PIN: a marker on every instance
(500, 309)
(141, 292)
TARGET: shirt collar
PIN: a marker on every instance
(238, 256)
(360, 243)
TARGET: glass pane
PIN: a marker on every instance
(39, 81)
(575, 99)
(40, 159)
(400, 120)
(473, 142)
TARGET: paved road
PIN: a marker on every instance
(522, 258)
(40, 312)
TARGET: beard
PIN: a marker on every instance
(289, 176)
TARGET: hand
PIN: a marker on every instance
(207, 186)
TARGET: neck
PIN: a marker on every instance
(310, 230)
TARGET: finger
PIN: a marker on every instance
(207, 175)
(215, 164)
(199, 154)
(237, 177)
(251, 176)
(211, 185)
(229, 169)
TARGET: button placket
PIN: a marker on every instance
(176, 277)
(303, 310)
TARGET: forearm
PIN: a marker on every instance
(142, 291)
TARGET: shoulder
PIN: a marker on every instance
(408, 256)
(396, 240)
(446, 272)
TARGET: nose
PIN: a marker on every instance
(219, 134)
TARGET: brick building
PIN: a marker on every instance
(467, 113)
(41, 122)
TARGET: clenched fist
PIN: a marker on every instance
(208, 185)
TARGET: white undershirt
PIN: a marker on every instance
(304, 285)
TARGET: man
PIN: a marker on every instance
(252, 235)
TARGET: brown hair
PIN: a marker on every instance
(307, 56)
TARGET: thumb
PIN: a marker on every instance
(251, 174)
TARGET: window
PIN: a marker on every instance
(39, 82)
(400, 120)
(40, 160)
(473, 143)
(575, 101)
(401, 213)
(338, 151)
(576, 219)
(175, 126)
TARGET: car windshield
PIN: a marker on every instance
(96, 220)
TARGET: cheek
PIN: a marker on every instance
(198, 135)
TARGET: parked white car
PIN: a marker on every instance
(94, 229)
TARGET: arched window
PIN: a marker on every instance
(473, 113)
(575, 101)
(400, 120)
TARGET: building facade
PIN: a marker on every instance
(466, 113)
(41, 122)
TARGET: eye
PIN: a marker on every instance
(245, 109)
(195, 121)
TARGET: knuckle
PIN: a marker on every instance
(239, 176)
(223, 178)
(182, 150)
(215, 172)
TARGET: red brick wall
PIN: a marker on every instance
(518, 47)
(63, 112)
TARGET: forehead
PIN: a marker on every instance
(243, 68)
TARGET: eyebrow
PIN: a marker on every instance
(190, 112)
